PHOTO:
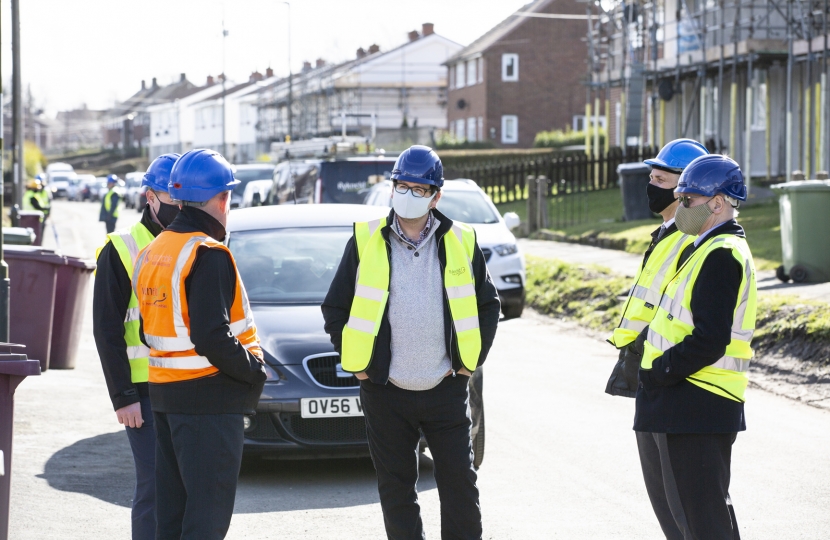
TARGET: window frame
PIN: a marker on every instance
(505, 57)
(460, 74)
(504, 119)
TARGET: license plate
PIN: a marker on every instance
(330, 407)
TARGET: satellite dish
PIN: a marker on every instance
(665, 89)
(461, 104)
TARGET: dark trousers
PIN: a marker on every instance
(110, 223)
(198, 457)
(687, 479)
(143, 444)
(394, 420)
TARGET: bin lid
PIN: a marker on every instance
(77, 262)
(33, 253)
(633, 168)
(37, 213)
(803, 185)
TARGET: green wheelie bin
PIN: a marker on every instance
(805, 230)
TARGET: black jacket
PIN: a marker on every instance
(111, 295)
(666, 402)
(210, 289)
(623, 380)
(338, 304)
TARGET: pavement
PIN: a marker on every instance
(628, 263)
(561, 460)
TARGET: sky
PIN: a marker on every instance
(96, 52)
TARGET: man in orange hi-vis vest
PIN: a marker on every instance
(205, 361)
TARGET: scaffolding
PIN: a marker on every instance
(746, 77)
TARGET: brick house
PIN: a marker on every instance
(524, 76)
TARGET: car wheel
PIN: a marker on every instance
(478, 444)
(513, 311)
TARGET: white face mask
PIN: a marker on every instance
(408, 206)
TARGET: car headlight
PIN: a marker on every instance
(506, 249)
(272, 374)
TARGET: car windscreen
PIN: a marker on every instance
(246, 175)
(288, 266)
(466, 206)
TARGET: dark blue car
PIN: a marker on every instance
(310, 408)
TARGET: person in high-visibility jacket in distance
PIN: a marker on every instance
(109, 204)
(37, 198)
(205, 364)
(115, 326)
(659, 263)
(693, 374)
(413, 312)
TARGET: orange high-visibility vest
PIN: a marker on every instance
(158, 281)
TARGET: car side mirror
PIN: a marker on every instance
(511, 219)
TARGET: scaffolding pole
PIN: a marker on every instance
(748, 127)
(788, 152)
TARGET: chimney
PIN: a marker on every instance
(210, 80)
(414, 35)
(269, 73)
(320, 63)
(427, 29)
(255, 76)
(143, 85)
(306, 66)
(155, 84)
(360, 53)
(182, 78)
(373, 48)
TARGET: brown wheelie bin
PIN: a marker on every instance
(70, 301)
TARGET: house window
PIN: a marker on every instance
(510, 67)
(452, 77)
(471, 72)
(480, 136)
(459, 75)
(460, 128)
(759, 101)
(510, 129)
(471, 129)
(480, 69)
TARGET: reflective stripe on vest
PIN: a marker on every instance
(127, 244)
(108, 204)
(651, 281)
(160, 273)
(674, 321)
(372, 294)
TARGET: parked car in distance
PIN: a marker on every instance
(249, 173)
(132, 189)
(463, 200)
(287, 257)
(85, 183)
(328, 181)
(59, 184)
(98, 188)
(256, 192)
(58, 168)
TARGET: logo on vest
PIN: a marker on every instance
(153, 296)
(458, 271)
(158, 260)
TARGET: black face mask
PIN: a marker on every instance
(659, 198)
(167, 213)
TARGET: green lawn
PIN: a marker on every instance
(600, 216)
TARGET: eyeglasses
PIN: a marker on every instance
(687, 201)
(417, 192)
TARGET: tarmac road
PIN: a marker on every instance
(561, 460)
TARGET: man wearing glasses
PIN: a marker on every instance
(693, 374)
(413, 312)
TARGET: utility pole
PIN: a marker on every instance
(290, 80)
(224, 35)
(17, 108)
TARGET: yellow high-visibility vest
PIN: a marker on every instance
(128, 243)
(674, 320)
(41, 196)
(372, 294)
(108, 204)
(651, 281)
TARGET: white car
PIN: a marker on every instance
(61, 183)
(249, 173)
(132, 189)
(255, 193)
(462, 200)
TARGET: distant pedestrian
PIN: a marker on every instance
(693, 376)
(37, 198)
(413, 312)
(124, 358)
(109, 204)
(206, 365)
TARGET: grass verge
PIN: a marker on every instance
(599, 221)
(593, 296)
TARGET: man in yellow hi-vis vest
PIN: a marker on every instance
(659, 263)
(413, 312)
(109, 204)
(115, 326)
(693, 375)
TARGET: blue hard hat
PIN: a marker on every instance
(712, 174)
(677, 155)
(40, 177)
(112, 179)
(199, 175)
(419, 164)
(158, 173)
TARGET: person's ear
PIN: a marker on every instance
(719, 204)
(436, 199)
